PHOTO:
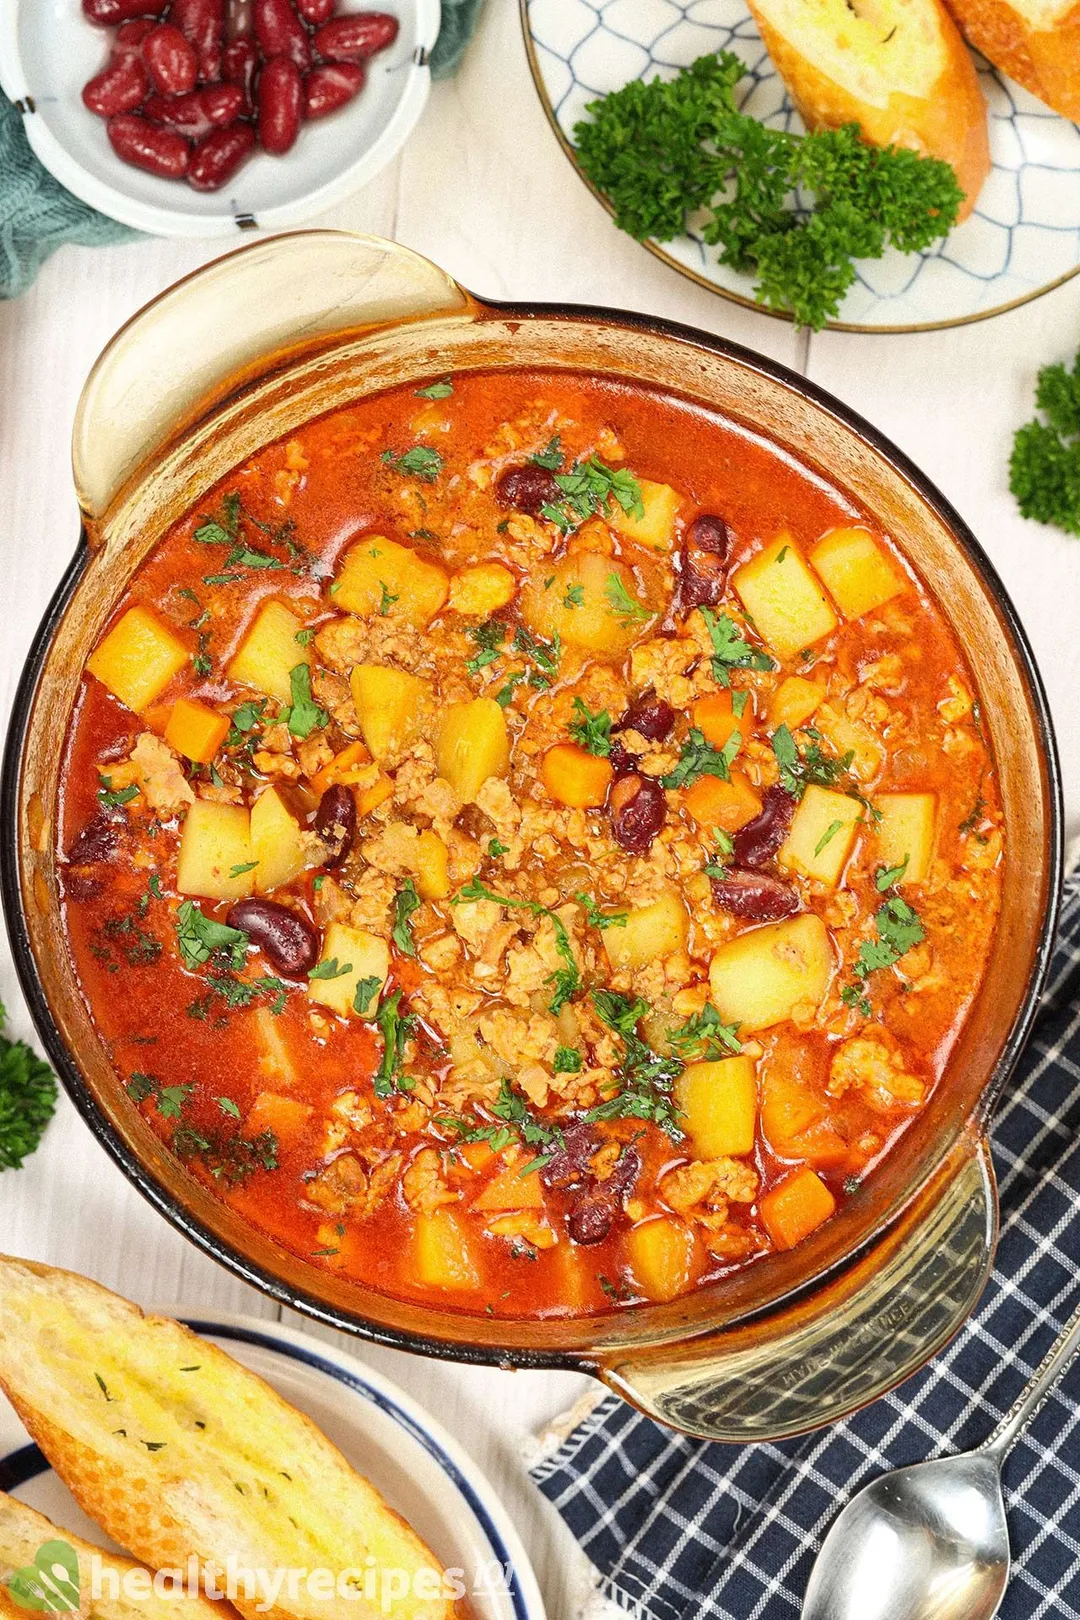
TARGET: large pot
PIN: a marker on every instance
(242, 353)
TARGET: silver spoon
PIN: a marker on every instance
(930, 1542)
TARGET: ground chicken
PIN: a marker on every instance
(340, 1188)
(157, 771)
(373, 898)
(423, 1185)
(867, 1064)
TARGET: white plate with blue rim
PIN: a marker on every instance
(393, 1442)
(1023, 238)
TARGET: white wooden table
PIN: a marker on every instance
(483, 189)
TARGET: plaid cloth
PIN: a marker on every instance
(680, 1529)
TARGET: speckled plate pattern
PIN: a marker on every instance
(1022, 239)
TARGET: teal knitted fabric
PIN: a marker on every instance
(37, 214)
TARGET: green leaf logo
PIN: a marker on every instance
(50, 1584)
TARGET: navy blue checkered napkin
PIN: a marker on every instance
(681, 1529)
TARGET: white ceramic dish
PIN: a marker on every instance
(48, 51)
(420, 1470)
(1022, 239)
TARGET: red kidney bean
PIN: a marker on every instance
(239, 19)
(170, 60)
(98, 841)
(527, 488)
(239, 64)
(569, 1163)
(330, 85)
(280, 32)
(590, 1217)
(637, 807)
(110, 12)
(280, 96)
(648, 715)
(219, 154)
(130, 36)
(621, 762)
(355, 38)
(159, 151)
(118, 88)
(702, 563)
(315, 12)
(710, 533)
(288, 941)
(759, 840)
(757, 896)
(202, 23)
(335, 823)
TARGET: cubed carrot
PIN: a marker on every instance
(285, 1116)
(797, 1207)
(576, 778)
(370, 798)
(728, 805)
(716, 720)
(509, 1189)
(348, 769)
(477, 1155)
(195, 730)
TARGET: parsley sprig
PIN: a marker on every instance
(589, 488)
(899, 930)
(1044, 470)
(646, 1078)
(514, 1122)
(591, 731)
(705, 1036)
(731, 650)
(798, 771)
(700, 758)
(565, 980)
(395, 1027)
(418, 462)
(27, 1099)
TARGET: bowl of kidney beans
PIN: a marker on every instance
(198, 117)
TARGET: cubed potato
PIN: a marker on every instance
(271, 1041)
(715, 718)
(905, 832)
(758, 978)
(472, 744)
(798, 1206)
(574, 777)
(582, 597)
(391, 705)
(858, 572)
(195, 730)
(789, 609)
(727, 805)
(851, 737)
(509, 1189)
(376, 575)
(442, 1254)
(656, 526)
(479, 591)
(432, 866)
(363, 956)
(215, 859)
(794, 702)
(270, 652)
(662, 1255)
(285, 1116)
(720, 1102)
(821, 835)
(138, 658)
(652, 933)
(275, 842)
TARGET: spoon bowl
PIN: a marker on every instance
(928, 1542)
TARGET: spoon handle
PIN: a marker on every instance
(1050, 1369)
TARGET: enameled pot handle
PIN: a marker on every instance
(843, 1345)
(231, 323)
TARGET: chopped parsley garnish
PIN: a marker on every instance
(250, 716)
(406, 901)
(303, 715)
(890, 876)
(898, 931)
(646, 1078)
(386, 599)
(27, 1099)
(489, 638)
(228, 1158)
(238, 871)
(591, 731)
(700, 758)
(551, 456)
(575, 596)
(200, 937)
(239, 993)
(673, 147)
(731, 650)
(588, 489)
(202, 663)
(111, 797)
(495, 848)
(1044, 470)
(565, 980)
(419, 462)
(597, 918)
(330, 969)
(223, 529)
(366, 991)
(169, 1100)
(974, 815)
(436, 390)
(395, 1027)
(227, 1106)
(624, 606)
(514, 1122)
(798, 771)
(827, 836)
(567, 1060)
(704, 1036)
(304, 638)
(544, 654)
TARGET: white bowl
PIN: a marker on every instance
(48, 50)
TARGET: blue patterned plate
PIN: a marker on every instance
(1022, 239)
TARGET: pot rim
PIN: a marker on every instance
(307, 1304)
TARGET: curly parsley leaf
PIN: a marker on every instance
(646, 1078)
(704, 1037)
(395, 1028)
(27, 1099)
(589, 488)
(1044, 469)
(798, 771)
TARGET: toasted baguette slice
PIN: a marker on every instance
(897, 68)
(177, 1451)
(1036, 42)
(23, 1532)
